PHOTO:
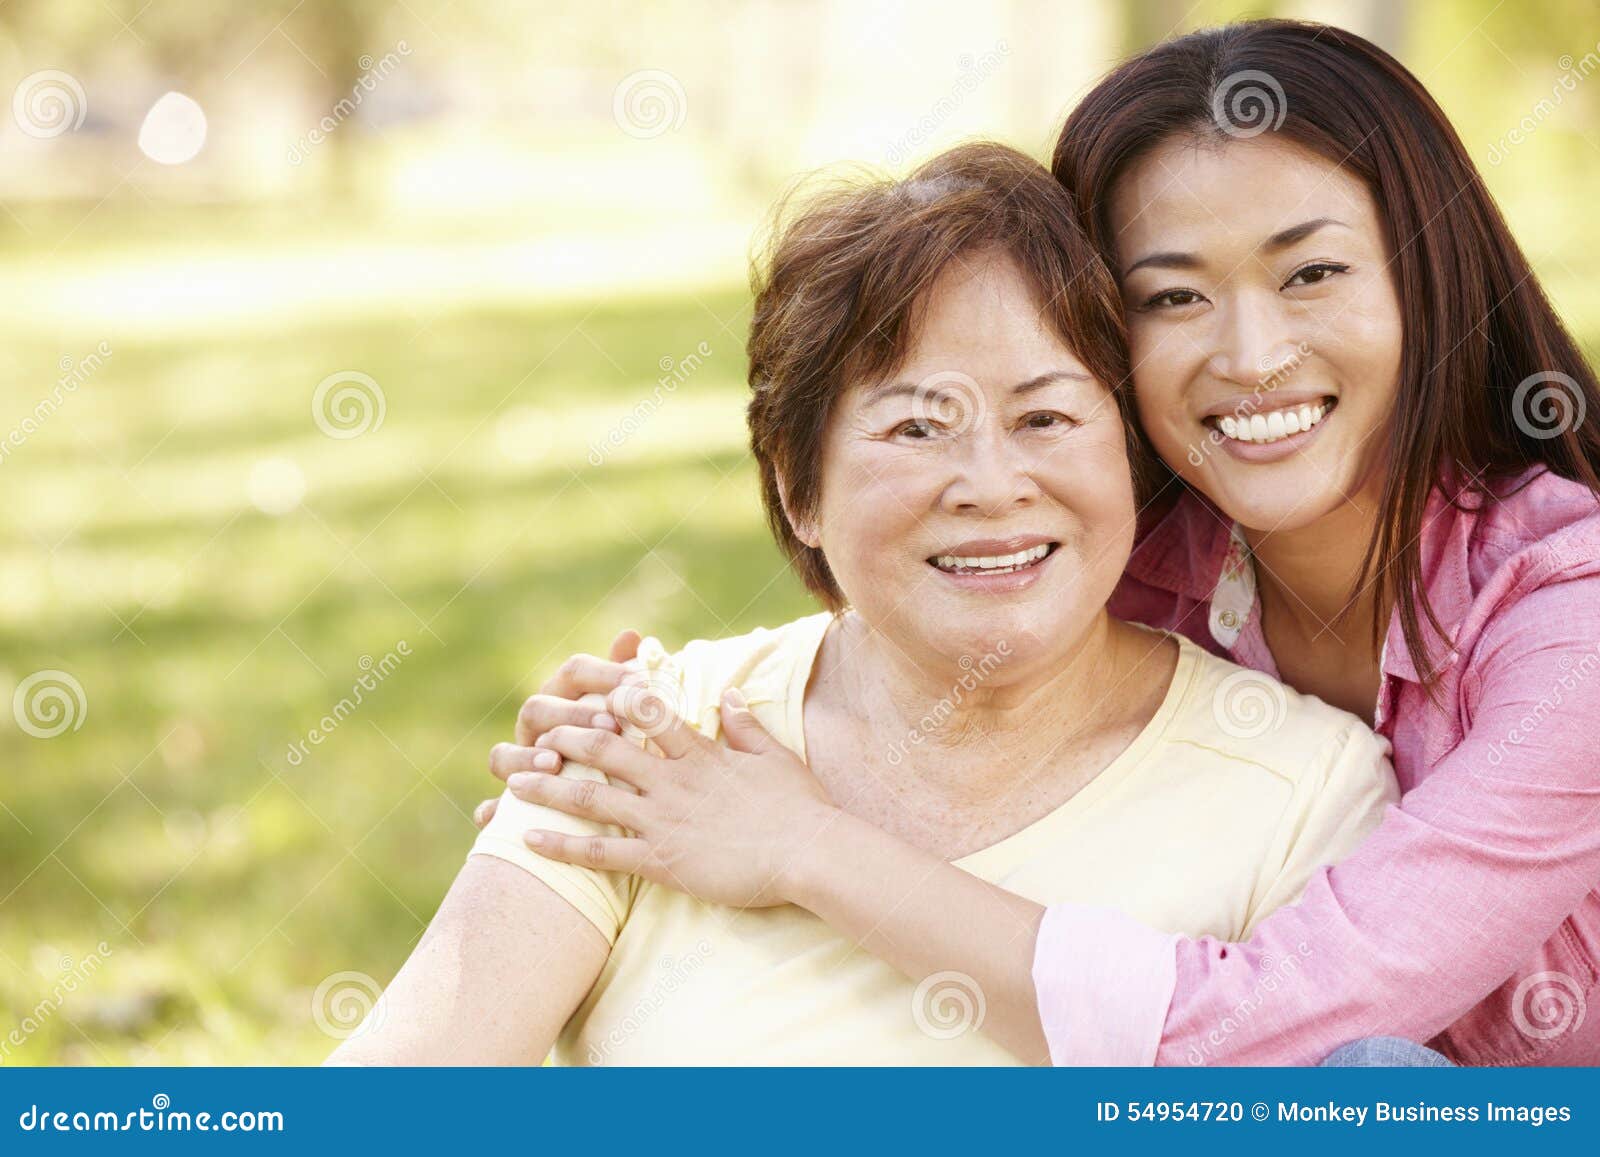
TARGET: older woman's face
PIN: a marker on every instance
(982, 493)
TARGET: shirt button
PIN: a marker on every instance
(1229, 620)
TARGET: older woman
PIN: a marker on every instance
(945, 459)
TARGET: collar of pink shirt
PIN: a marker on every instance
(1198, 558)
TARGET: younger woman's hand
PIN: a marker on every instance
(727, 823)
(575, 694)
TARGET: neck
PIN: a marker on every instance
(1309, 576)
(964, 728)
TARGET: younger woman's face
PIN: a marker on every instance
(1264, 324)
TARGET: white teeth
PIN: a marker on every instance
(996, 564)
(1271, 427)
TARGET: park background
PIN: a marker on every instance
(424, 371)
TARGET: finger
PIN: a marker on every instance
(539, 713)
(588, 799)
(509, 758)
(651, 714)
(582, 674)
(741, 728)
(484, 812)
(610, 853)
(615, 756)
(625, 646)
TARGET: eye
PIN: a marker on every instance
(1315, 273)
(1172, 298)
(1046, 420)
(917, 431)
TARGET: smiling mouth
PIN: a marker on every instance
(1273, 425)
(993, 564)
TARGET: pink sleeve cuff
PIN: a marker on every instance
(1104, 982)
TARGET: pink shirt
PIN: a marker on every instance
(1470, 919)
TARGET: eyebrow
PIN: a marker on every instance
(879, 393)
(1172, 259)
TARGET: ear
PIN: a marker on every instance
(805, 529)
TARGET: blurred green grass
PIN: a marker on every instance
(209, 635)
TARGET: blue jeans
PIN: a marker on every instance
(1381, 1052)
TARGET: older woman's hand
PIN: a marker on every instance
(728, 823)
(575, 694)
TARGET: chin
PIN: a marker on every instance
(1284, 504)
(999, 646)
(957, 638)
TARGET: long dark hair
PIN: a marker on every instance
(1490, 379)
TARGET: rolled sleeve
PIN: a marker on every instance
(1082, 954)
(600, 897)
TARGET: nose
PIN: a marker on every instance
(1252, 342)
(991, 476)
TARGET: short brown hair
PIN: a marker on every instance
(840, 294)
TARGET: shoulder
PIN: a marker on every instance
(1254, 721)
(1522, 559)
(763, 664)
(760, 656)
(1537, 521)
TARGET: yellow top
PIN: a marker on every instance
(1220, 811)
